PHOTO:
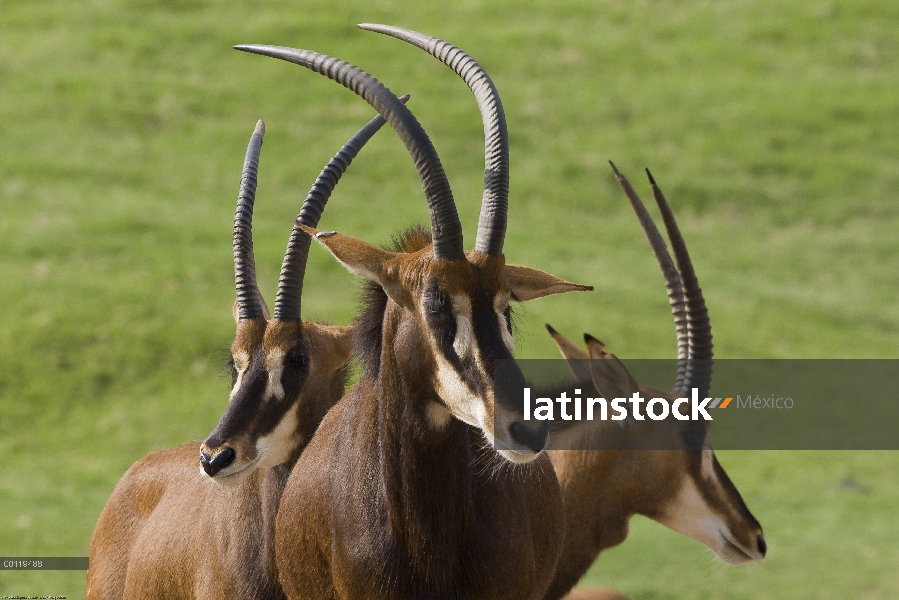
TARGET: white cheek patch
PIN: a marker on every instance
(464, 344)
(276, 447)
(274, 364)
(241, 363)
(689, 514)
(500, 303)
(437, 414)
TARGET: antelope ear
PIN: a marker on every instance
(364, 260)
(611, 378)
(528, 283)
(577, 359)
(265, 314)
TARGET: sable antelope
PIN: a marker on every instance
(171, 532)
(394, 497)
(686, 490)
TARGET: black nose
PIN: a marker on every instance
(535, 439)
(222, 459)
(763, 547)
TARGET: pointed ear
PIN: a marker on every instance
(364, 260)
(261, 301)
(528, 283)
(610, 377)
(577, 359)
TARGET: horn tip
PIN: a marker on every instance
(260, 128)
(652, 180)
(405, 98)
(614, 168)
(252, 48)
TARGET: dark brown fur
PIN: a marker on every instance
(383, 503)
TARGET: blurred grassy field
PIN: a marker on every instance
(773, 127)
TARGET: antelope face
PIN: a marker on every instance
(284, 375)
(450, 321)
(702, 503)
(684, 489)
(463, 309)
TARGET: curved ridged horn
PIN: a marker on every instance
(249, 301)
(446, 230)
(699, 370)
(495, 201)
(673, 283)
(293, 269)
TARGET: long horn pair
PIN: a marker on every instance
(445, 226)
(691, 317)
(495, 201)
(293, 269)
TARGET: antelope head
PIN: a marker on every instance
(444, 317)
(685, 489)
(285, 373)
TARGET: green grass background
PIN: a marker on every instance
(773, 127)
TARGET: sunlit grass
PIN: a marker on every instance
(773, 127)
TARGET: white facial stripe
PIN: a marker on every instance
(500, 303)
(275, 448)
(274, 364)
(508, 340)
(241, 363)
(707, 468)
(465, 344)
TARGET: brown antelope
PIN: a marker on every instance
(686, 490)
(394, 497)
(169, 531)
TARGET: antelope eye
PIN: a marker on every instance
(694, 439)
(295, 360)
(436, 303)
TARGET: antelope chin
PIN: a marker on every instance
(733, 553)
(232, 477)
(519, 457)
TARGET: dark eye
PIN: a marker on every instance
(295, 361)
(693, 438)
(436, 303)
